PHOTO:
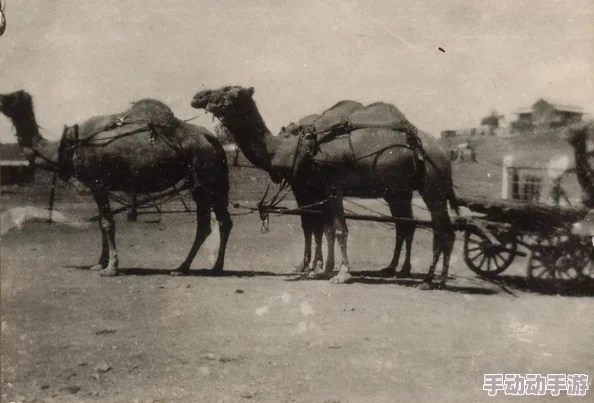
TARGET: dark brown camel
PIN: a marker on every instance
(144, 150)
(308, 189)
(375, 160)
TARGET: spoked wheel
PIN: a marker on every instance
(559, 258)
(483, 257)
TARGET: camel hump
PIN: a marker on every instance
(308, 120)
(379, 114)
(339, 113)
(151, 109)
(140, 113)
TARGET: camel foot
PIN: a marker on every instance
(403, 273)
(388, 272)
(180, 271)
(318, 265)
(341, 278)
(109, 272)
(97, 267)
(216, 271)
(300, 268)
(319, 274)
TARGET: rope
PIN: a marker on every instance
(195, 117)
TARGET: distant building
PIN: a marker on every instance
(546, 114)
(466, 132)
(14, 168)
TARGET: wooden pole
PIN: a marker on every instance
(507, 182)
(133, 213)
(348, 216)
(52, 196)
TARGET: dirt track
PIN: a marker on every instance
(261, 335)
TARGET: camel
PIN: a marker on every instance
(143, 150)
(306, 186)
(380, 160)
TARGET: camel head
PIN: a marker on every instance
(18, 104)
(224, 103)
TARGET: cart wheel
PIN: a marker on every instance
(559, 259)
(486, 259)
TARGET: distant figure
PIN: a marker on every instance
(577, 136)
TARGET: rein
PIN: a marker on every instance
(295, 155)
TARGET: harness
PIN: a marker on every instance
(71, 141)
(345, 128)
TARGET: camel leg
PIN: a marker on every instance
(327, 228)
(104, 258)
(225, 226)
(303, 266)
(203, 229)
(342, 234)
(318, 259)
(448, 246)
(443, 241)
(400, 206)
(107, 225)
(309, 225)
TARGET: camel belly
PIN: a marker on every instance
(371, 161)
(141, 163)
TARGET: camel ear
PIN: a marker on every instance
(250, 91)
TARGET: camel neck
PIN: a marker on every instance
(27, 131)
(252, 136)
(45, 155)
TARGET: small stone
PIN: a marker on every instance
(69, 374)
(73, 389)
(105, 331)
(103, 367)
(239, 291)
(82, 363)
(44, 386)
(247, 395)
(211, 356)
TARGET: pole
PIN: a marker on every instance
(507, 181)
(52, 196)
(133, 212)
(356, 217)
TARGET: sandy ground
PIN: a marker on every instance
(259, 334)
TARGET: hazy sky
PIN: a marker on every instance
(80, 58)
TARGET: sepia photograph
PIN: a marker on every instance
(331, 201)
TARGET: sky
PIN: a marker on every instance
(81, 58)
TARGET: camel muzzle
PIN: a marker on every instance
(196, 103)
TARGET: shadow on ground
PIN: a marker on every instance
(507, 284)
(147, 271)
(580, 288)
